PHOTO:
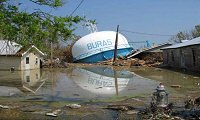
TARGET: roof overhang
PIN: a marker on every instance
(195, 41)
(33, 47)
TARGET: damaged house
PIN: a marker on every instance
(15, 57)
(184, 55)
(150, 55)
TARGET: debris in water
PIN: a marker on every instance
(176, 86)
(4, 107)
(196, 77)
(137, 99)
(120, 107)
(74, 106)
(54, 113)
(51, 114)
(130, 112)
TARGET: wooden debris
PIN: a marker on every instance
(175, 86)
(120, 107)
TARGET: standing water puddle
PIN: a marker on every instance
(75, 85)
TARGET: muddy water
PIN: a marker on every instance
(189, 84)
(54, 88)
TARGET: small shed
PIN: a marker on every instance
(183, 55)
(15, 57)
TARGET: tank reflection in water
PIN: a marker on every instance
(101, 80)
(78, 84)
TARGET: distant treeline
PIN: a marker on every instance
(187, 35)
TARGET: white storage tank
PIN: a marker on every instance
(99, 46)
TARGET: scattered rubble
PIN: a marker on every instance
(138, 62)
(153, 112)
(192, 103)
(131, 62)
(118, 62)
(149, 61)
(190, 111)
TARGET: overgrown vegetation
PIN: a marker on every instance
(38, 27)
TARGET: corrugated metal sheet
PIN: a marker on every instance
(159, 47)
(9, 48)
(184, 44)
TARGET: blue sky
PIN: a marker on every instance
(166, 17)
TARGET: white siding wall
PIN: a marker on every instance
(32, 60)
(7, 62)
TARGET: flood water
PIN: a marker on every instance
(79, 84)
(189, 83)
(74, 84)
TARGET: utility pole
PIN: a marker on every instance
(51, 54)
(116, 43)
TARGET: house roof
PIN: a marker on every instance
(194, 41)
(34, 48)
(148, 49)
(8, 47)
(12, 48)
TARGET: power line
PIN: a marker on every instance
(77, 7)
(152, 34)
